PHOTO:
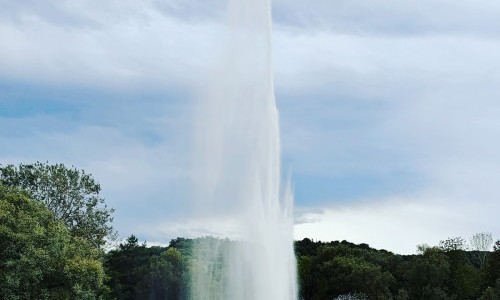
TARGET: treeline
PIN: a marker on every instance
(136, 271)
(334, 270)
(447, 271)
(54, 226)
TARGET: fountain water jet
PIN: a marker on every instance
(239, 179)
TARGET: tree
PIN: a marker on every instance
(428, 275)
(39, 258)
(492, 266)
(122, 265)
(465, 278)
(492, 293)
(340, 275)
(422, 248)
(165, 277)
(71, 194)
(306, 274)
(402, 295)
(126, 267)
(140, 272)
(481, 242)
(451, 244)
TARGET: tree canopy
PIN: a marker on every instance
(39, 258)
(71, 194)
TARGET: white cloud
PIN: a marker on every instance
(382, 17)
(373, 104)
(116, 45)
(401, 223)
(364, 88)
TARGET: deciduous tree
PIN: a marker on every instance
(453, 243)
(71, 194)
(39, 258)
(481, 243)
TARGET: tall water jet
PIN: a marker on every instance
(239, 178)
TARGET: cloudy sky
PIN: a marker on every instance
(390, 110)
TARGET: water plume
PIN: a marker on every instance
(239, 170)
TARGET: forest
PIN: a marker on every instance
(54, 227)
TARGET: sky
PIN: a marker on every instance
(390, 110)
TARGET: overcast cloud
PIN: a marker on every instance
(389, 109)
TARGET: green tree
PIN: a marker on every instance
(122, 265)
(352, 274)
(71, 194)
(465, 278)
(127, 265)
(165, 277)
(402, 294)
(492, 266)
(140, 272)
(428, 275)
(492, 293)
(306, 274)
(453, 243)
(39, 258)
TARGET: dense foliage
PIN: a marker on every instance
(334, 270)
(328, 270)
(139, 272)
(39, 258)
(71, 194)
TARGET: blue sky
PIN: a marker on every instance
(389, 109)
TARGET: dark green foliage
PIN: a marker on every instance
(164, 277)
(306, 247)
(123, 265)
(465, 277)
(344, 274)
(402, 294)
(340, 269)
(39, 259)
(492, 293)
(307, 283)
(454, 243)
(428, 275)
(140, 272)
(492, 267)
(329, 270)
(71, 194)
